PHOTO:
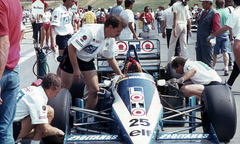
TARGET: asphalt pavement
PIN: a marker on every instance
(28, 59)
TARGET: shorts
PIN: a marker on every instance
(62, 41)
(17, 126)
(66, 65)
(76, 21)
(222, 42)
(46, 25)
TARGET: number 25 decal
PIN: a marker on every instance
(137, 122)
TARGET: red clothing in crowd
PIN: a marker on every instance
(8, 27)
(148, 17)
(216, 22)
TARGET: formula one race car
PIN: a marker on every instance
(142, 107)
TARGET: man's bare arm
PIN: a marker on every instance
(189, 74)
(4, 49)
(113, 64)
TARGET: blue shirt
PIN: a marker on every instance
(116, 10)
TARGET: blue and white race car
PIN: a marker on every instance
(140, 108)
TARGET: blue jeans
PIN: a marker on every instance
(9, 89)
(159, 24)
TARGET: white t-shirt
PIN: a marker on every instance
(76, 16)
(46, 17)
(204, 74)
(126, 33)
(234, 22)
(90, 41)
(169, 17)
(32, 101)
(160, 14)
(182, 12)
(61, 18)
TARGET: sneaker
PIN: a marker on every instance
(226, 73)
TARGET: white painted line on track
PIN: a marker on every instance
(24, 58)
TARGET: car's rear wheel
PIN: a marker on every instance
(219, 110)
(61, 105)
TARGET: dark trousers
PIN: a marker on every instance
(37, 30)
(177, 49)
(33, 27)
(234, 74)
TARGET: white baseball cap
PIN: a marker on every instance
(206, 0)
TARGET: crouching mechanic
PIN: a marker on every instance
(33, 115)
(90, 40)
(200, 74)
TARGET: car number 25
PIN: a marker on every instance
(137, 122)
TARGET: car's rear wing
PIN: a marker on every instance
(148, 53)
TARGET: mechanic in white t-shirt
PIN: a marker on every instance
(61, 26)
(33, 115)
(127, 14)
(199, 73)
(90, 40)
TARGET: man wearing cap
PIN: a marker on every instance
(61, 27)
(208, 23)
(89, 17)
(117, 9)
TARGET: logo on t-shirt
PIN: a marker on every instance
(66, 20)
(78, 42)
(55, 17)
(84, 37)
(44, 108)
(90, 49)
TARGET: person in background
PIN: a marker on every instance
(45, 28)
(222, 40)
(167, 23)
(117, 9)
(61, 27)
(10, 34)
(208, 23)
(24, 17)
(159, 16)
(22, 32)
(152, 13)
(33, 115)
(127, 14)
(147, 19)
(102, 16)
(180, 19)
(89, 17)
(97, 14)
(229, 7)
(76, 21)
(33, 22)
(233, 22)
(108, 13)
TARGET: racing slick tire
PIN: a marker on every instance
(61, 105)
(171, 73)
(219, 110)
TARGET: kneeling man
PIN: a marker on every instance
(33, 115)
(200, 74)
